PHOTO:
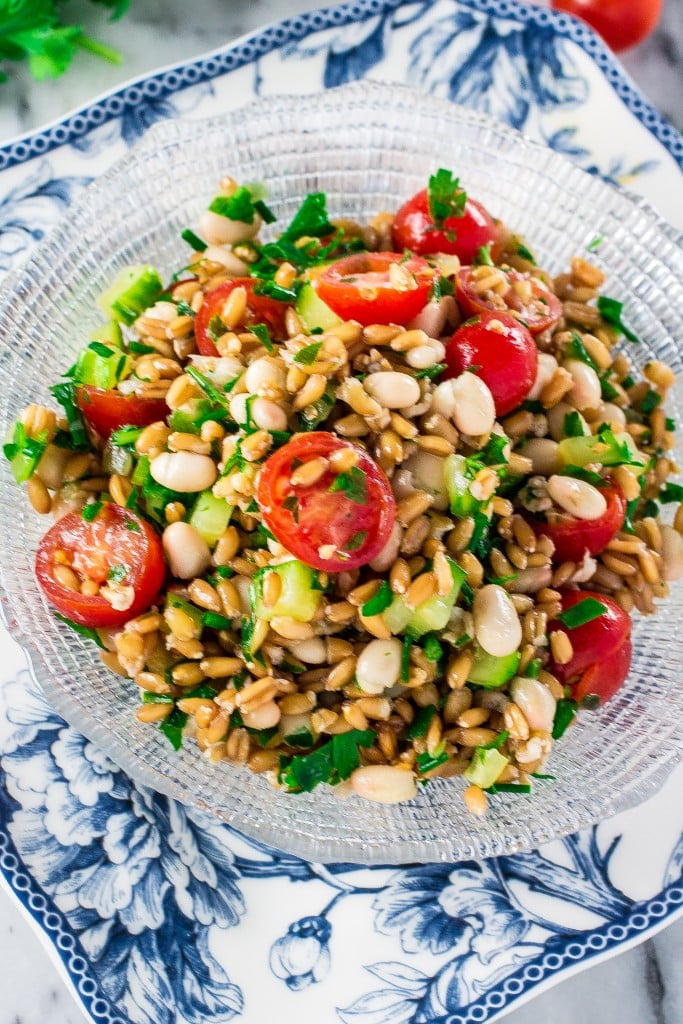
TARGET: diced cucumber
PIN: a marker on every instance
(429, 616)
(131, 292)
(463, 503)
(299, 599)
(485, 767)
(491, 672)
(605, 448)
(24, 453)
(313, 312)
(102, 366)
(210, 517)
(109, 333)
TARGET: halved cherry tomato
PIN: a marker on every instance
(118, 547)
(620, 24)
(107, 410)
(363, 287)
(341, 520)
(605, 677)
(602, 647)
(260, 310)
(414, 229)
(539, 312)
(574, 537)
(503, 352)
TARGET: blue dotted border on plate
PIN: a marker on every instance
(582, 947)
(165, 83)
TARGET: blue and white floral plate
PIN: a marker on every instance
(160, 915)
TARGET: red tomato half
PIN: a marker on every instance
(340, 521)
(361, 287)
(116, 539)
(538, 313)
(605, 677)
(504, 353)
(107, 410)
(574, 537)
(414, 229)
(260, 310)
(595, 640)
(620, 24)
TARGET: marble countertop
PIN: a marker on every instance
(641, 986)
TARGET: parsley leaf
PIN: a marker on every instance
(310, 219)
(333, 762)
(610, 310)
(86, 631)
(354, 485)
(117, 573)
(565, 713)
(194, 241)
(262, 333)
(357, 541)
(379, 601)
(307, 356)
(445, 197)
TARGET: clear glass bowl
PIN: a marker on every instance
(368, 146)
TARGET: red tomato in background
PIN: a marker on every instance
(107, 410)
(574, 537)
(260, 310)
(360, 287)
(539, 313)
(503, 352)
(414, 229)
(621, 23)
(116, 537)
(307, 518)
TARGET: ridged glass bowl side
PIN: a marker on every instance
(368, 147)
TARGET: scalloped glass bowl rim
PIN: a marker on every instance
(409, 829)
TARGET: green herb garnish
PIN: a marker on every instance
(307, 356)
(420, 724)
(353, 483)
(332, 763)
(445, 197)
(582, 612)
(86, 631)
(610, 310)
(565, 713)
(379, 601)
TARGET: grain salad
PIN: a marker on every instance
(365, 504)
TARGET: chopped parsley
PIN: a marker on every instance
(173, 726)
(445, 197)
(24, 452)
(333, 762)
(565, 713)
(577, 350)
(595, 244)
(650, 402)
(357, 541)
(428, 762)
(194, 241)
(118, 573)
(307, 356)
(525, 253)
(573, 426)
(262, 333)
(86, 631)
(432, 649)
(215, 621)
(582, 612)
(379, 601)
(242, 205)
(405, 659)
(420, 724)
(431, 372)
(610, 310)
(671, 492)
(91, 511)
(353, 483)
(483, 256)
(65, 395)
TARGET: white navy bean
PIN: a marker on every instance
(556, 417)
(535, 701)
(545, 371)
(586, 392)
(379, 665)
(186, 551)
(264, 373)
(185, 472)
(544, 455)
(233, 264)
(389, 553)
(383, 783)
(432, 318)
(496, 623)
(580, 499)
(426, 473)
(220, 370)
(611, 413)
(392, 390)
(474, 411)
(217, 230)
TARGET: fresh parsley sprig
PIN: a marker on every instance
(36, 30)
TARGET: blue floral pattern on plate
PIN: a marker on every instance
(160, 913)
